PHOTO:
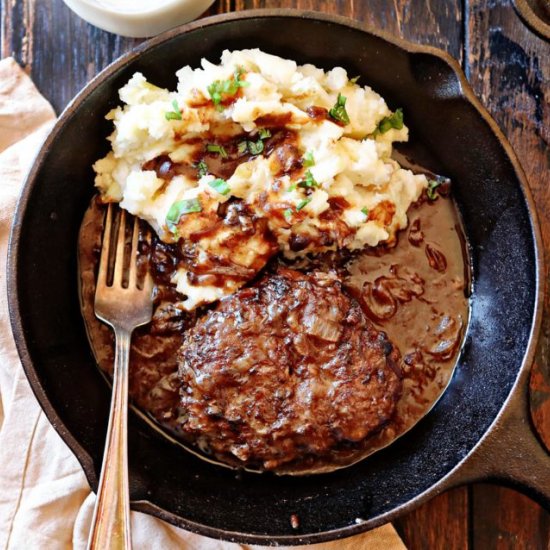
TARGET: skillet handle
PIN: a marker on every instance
(512, 453)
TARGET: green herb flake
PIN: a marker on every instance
(221, 186)
(292, 188)
(215, 148)
(302, 204)
(309, 181)
(264, 133)
(288, 214)
(395, 120)
(175, 114)
(202, 168)
(431, 191)
(217, 88)
(355, 79)
(308, 159)
(338, 112)
(172, 116)
(239, 71)
(216, 96)
(179, 208)
(365, 211)
(220, 88)
(255, 147)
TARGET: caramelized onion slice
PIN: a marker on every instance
(448, 336)
(324, 324)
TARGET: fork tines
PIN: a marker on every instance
(119, 264)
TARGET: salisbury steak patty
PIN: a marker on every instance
(286, 369)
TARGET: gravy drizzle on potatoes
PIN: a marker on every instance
(304, 154)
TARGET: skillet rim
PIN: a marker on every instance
(467, 94)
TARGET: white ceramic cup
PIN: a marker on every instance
(138, 18)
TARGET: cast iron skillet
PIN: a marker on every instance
(479, 429)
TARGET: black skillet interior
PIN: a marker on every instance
(448, 135)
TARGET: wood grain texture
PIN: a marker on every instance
(442, 522)
(506, 520)
(509, 68)
(434, 22)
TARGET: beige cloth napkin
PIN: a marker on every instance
(45, 501)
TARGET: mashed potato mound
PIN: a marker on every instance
(307, 151)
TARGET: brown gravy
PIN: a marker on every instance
(416, 291)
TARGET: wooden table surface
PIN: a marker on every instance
(509, 68)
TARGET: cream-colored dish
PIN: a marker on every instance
(138, 18)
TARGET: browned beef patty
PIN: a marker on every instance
(286, 369)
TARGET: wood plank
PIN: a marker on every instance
(425, 21)
(440, 523)
(506, 520)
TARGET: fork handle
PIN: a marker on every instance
(111, 519)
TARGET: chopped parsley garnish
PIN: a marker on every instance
(221, 186)
(338, 112)
(239, 71)
(395, 120)
(264, 133)
(179, 208)
(308, 181)
(292, 188)
(355, 79)
(226, 88)
(365, 211)
(308, 159)
(202, 168)
(431, 191)
(255, 147)
(288, 213)
(175, 114)
(215, 148)
(302, 203)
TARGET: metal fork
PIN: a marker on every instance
(124, 309)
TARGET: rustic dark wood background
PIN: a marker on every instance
(509, 68)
